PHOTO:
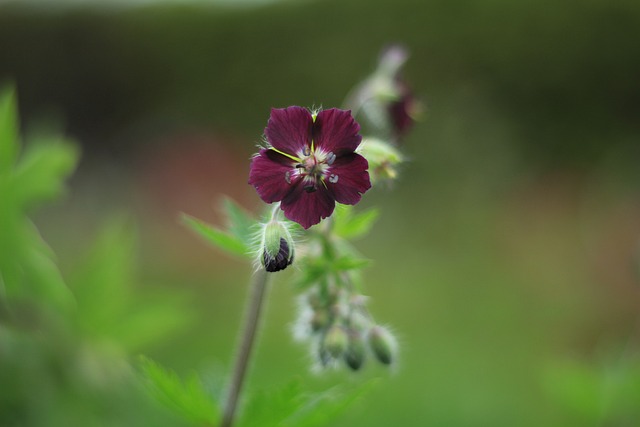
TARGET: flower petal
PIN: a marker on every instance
(273, 175)
(306, 208)
(348, 178)
(336, 131)
(289, 129)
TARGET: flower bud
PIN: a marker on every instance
(382, 343)
(355, 354)
(382, 156)
(277, 246)
(320, 320)
(335, 341)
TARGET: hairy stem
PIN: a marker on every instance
(252, 318)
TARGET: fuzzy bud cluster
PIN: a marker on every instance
(385, 99)
(341, 330)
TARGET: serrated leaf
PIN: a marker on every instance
(40, 173)
(9, 144)
(187, 399)
(104, 285)
(216, 237)
(350, 225)
(291, 406)
(26, 262)
(241, 223)
(327, 406)
(347, 263)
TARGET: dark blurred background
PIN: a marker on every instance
(506, 256)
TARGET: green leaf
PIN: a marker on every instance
(241, 224)
(291, 406)
(216, 237)
(188, 399)
(9, 144)
(313, 270)
(577, 388)
(108, 307)
(26, 262)
(102, 283)
(42, 169)
(347, 263)
(350, 225)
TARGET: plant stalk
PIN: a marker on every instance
(251, 320)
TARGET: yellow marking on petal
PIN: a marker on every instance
(286, 155)
(313, 148)
(323, 183)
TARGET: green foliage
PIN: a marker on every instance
(597, 395)
(236, 240)
(187, 399)
(63, 356)
(9, 144)
(349, 224)
(291, 406)
(104, 285)
(26, 179)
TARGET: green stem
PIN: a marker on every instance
(252, 318)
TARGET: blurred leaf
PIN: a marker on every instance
(314, 269)
(26, 262)
(188, 399)
(216, 237)
(9, 145)
(42, 168)
(107, 304)
(347, 263)
(350, 225)
(577, 388)
(241, 223)
(143, 324)
(103, 280)
(290, 406)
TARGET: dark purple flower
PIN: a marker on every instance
(402, 111)
(310, 163)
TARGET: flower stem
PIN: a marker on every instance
(252, 318)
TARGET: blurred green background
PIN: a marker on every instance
(506, 256)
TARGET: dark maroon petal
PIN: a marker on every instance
(273, 175)
(308, 208)
(289, 129)
(336, 131)
(348, 179)
(400, 111)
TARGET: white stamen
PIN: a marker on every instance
(333, 178)
(287, 177)
(331, 158)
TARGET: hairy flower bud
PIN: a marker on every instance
(355, 354)
(320, 320)
(382, 156)
(277, 246)
(382, 343)
(335, 341)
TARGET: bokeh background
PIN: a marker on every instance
(506, 258)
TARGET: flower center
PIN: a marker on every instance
(313, 168)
